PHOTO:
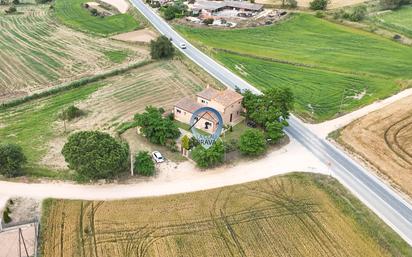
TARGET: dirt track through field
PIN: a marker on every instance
(384, 139)
(37, 52)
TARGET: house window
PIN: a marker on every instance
(178, 111)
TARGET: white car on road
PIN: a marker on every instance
(157, 156)
(183, 45)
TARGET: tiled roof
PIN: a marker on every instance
(188, 104)
(227, 97)
(208, 93)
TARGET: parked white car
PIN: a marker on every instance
(183, 45)
(157, 156)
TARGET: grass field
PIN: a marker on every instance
(384, 139)
(72, 14)
(328, 66)
(38, 52)
(293, 215)
(399, 20)
(35, 125)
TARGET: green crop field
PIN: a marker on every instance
(293, 215)
(399, 20)
(74, 15)
(329, 67)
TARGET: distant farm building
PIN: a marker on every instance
(213, 8)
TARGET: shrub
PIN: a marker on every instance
(95, 155)
(208, 21)
(6, 216)
(11, 160)
(185, 142)
(319, 14)
(252, 142)
(70, 113)
(94, 12)
(161, 48)
(318, 4)
(143, 164)
(169, 13)
(231, 145)
(156, 128)
(358, 13)
(193, 142)
(206, 158)
(16, 2)
(12, 9)
(292, 3)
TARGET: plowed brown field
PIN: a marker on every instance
(38, 52)
(384, 139)
(294, 215)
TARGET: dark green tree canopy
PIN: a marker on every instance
(318, 4)
(278, 100)
(156, 128)
(143, 164)
(11, 160)
(206, 158)
(95, 155)
(161, 48)
(252, 142)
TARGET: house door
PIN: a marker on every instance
(230, 120)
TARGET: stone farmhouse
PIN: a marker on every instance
(227, 102)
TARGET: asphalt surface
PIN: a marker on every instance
(379, 197)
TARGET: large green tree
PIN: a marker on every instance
(269, 110)
(252, 142)
(11, 160)
(143, 164)
(161, 48)
(206, 158)
(156, 128)
(95, 155)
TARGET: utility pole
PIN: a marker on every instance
(131, 165)
(19, 244)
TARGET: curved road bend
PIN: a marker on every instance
(379, 197)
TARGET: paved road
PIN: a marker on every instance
(388, 205)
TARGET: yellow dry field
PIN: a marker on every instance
(384, 139)
(37, 52)
(294, 215)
